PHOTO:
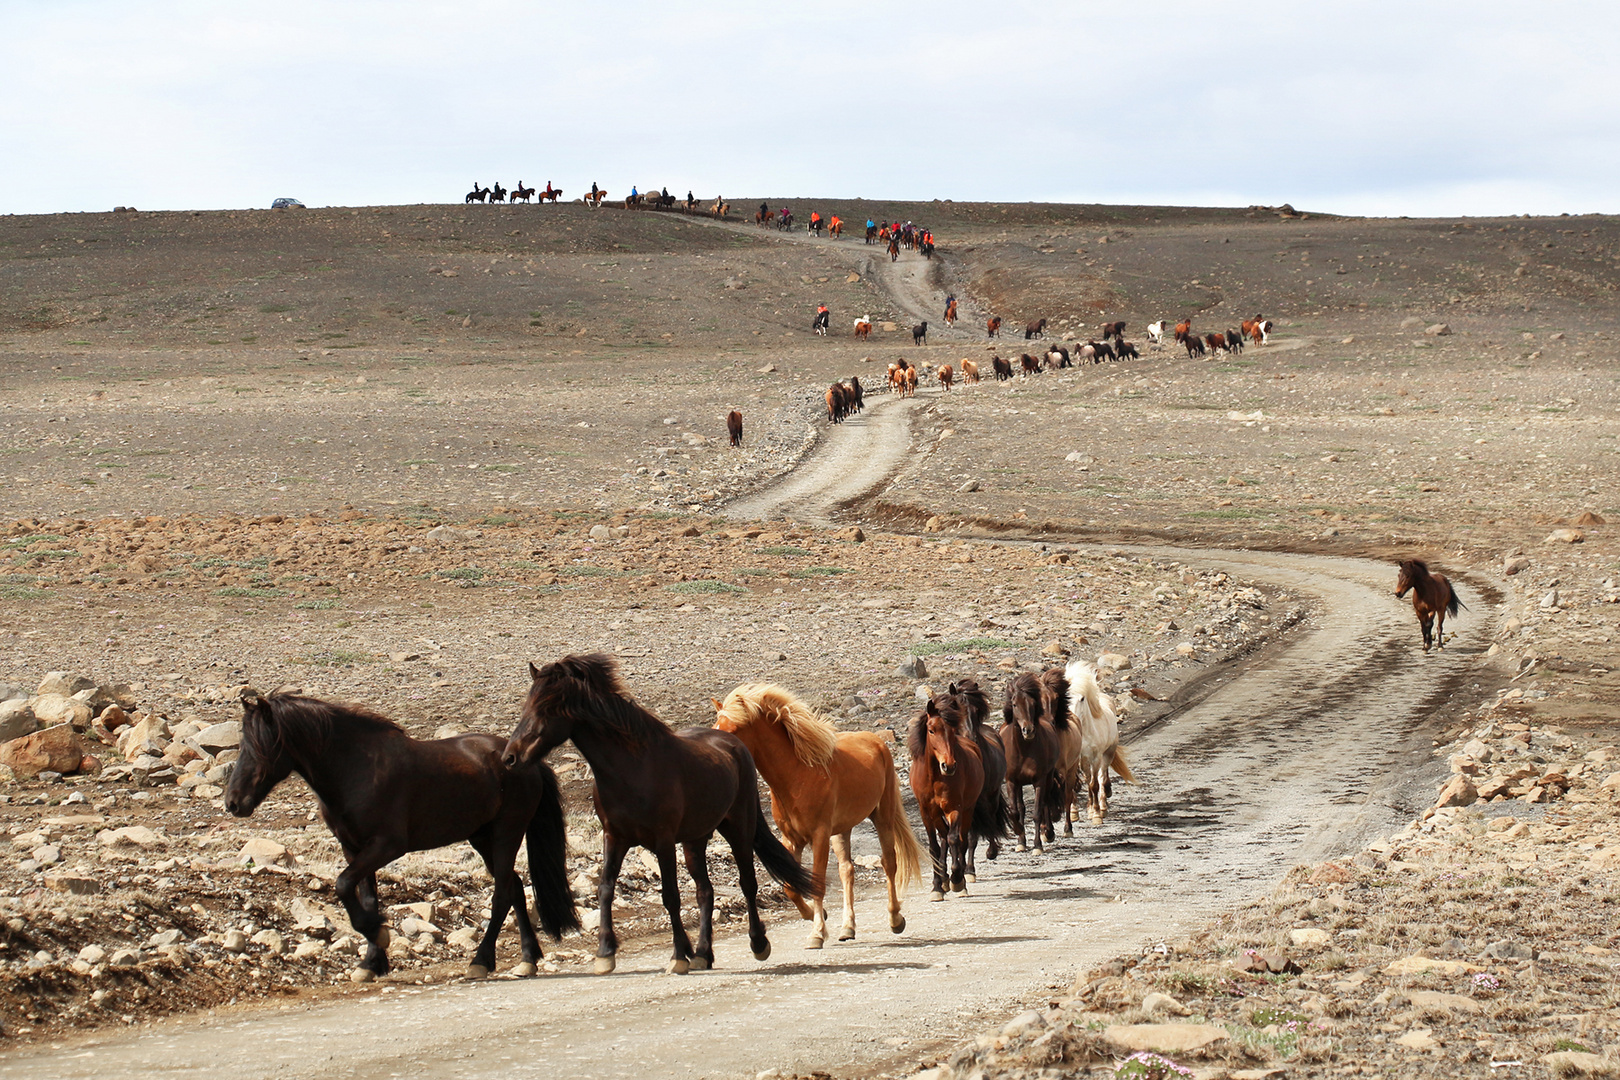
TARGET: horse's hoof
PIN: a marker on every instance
(476, 972)
(362, 975)
(936, 896)
(763, 952)
(1023, 848)
(847, 934)
(701, 963)
(971, 878)
(897, 923)
(1068, 830)
(1039, 850)
(961, 888)
(815, 942)
(677, 966)
(524, 970)
(604, 965)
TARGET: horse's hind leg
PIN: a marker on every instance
(508, 892)
(742, 851)
(697, 864)
(818, 904)
(680, 961)
(891, 867)
(1440, 627)
(846, 877)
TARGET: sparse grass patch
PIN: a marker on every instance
(316, 605)
(704, 585)
(960, 645)
(818, 571)
(462, 573)
(254, 592)
(785, 549)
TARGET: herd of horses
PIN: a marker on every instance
(383, 794)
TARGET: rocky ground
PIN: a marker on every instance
(391, 455)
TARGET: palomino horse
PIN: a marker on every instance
(1100, 755)
(947, 777)
(383, 793)
(1035, 708)
(966, 706)
(1433, 599)
(970, 371)
(656, 788)
(823, 783)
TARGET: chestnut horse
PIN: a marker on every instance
(946, 777)
(945, 376)
(966, 706)
(734, 427)
(863, 327)
(993, 325)
(970, 371)
(383, 793)
(1433, 599)
(823, 783)
(1036, 706)
(656, 789)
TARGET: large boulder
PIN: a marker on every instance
(56, 749)
(66, 683)
(17, 719)
(61, 709)
(217, 737)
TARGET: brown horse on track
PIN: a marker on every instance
(946, 777)
(383, 793)
(824, 783)
(1035, 708)
(734, 427)
(967, 707)
(656, 788)
(1433, 599)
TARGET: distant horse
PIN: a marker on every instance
(1101, 351)
(1193, 346)
(1034, 328)
(1100, 756)
(993, 326)
(594, 199)
(1234, 341)
(863, 327)
(383, 793)
(1088, 351)
(919, 334)
(945, 376)
(1216, 343)
(947, 776)
(950, 313)
(970, 371)
(734, 427)
(966, 706)
(894, 248)
(1257, 328)
(521, 192)
(1113, 330)
(1002, 368)
(911, 381)
(552, 194)
(1035, 708)
(1183, 328)
(1433, 599)
(1126, 351)
(497, 193)
(871, 232)
(823, 783)
(1155, 332)
(656, 788)
(837, 403)
(1058, 357)
(835, 228)
(822, 320)
(857, 393)
(1029, 364)
(477, 194)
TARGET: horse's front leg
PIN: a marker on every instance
(1015, 806)
(680, 961)
(956, 829)
(818, 904)
(356, 889)
(846, 877)
(1427, 621)
(697, 864)
(935, 856)
(607, 942)
(1043, 818)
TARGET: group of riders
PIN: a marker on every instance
(518, 194)
(892, 235)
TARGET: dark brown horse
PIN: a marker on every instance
(734, 427)
(1433, 599)
(1034, 709)
(383, 793)
(1033, 328)
(1002, 368)
(946, 778)
(656, 789)
(966, 706)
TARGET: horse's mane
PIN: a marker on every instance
(813, 738)
(303, 725)
(917, 736)
(1055, 697)
(1021, 685)
(608, 701)
(1417, 566)
(972, 700)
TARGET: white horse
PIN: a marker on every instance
(1155, 332)
(1100, 755)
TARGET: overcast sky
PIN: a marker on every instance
(1378, 108)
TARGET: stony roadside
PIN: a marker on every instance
(126, 891)
(1483, 939)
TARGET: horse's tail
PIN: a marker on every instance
(1454, 602)
(1122, 769)
(890, 820)
(780, 863)
(991, 818)
(548, 860)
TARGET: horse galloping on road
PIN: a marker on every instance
(1433, 599)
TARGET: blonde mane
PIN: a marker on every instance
(813, 738)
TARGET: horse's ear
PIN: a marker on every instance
(932, 708)
(534, 672)
(716, 703)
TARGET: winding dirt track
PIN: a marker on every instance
(1298, 755)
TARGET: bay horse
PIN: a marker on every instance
(1193, 346)
(823, 783)
(1035, 707)
(1216, 342)
(477, 194)
(950, 312)
(966, 705)
(734, 427)
(993, 326)
(521, 192)
(1433, 599)
(1113, 330)
(1030, 365)
(1031, 329)
(946, 777)
(1126, 351)
(1234, 341)
(837, 403)
(1100, 755)
(656, 788)
(383, 794)
(1002, 368)
(857, 392)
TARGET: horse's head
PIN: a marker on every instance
(559, 694)
(941, 748)
(1023, 705)
(1407, 577)
(263, 762)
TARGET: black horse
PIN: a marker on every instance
(383, 793)
(477, 194)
